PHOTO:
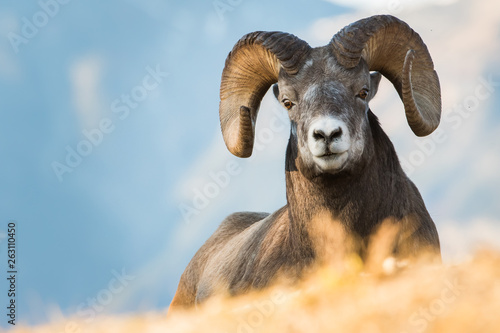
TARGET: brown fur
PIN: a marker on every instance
(326, 207)
(256, 246)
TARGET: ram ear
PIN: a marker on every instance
(276, 91)
(374, 82)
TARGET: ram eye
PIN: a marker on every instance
(363, 94)
(287, 103)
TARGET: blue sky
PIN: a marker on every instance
(90, 67)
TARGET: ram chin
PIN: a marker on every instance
(333, 163)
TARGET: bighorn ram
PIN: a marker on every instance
(338, 159)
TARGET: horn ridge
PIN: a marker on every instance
(251, 67)
(393, 48)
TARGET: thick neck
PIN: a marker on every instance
(358, 200)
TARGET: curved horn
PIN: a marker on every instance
(391, 47)
(251, 68)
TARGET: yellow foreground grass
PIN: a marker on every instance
(445, 298)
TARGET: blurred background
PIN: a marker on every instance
(113, 165)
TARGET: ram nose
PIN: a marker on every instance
(328, 136)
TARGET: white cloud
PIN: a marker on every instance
(215, 28)
(391, 6)
(85, 75)
(9, 66)
(154, 8)
(460, 240)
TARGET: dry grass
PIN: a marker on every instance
(348, 298)
(421, 298)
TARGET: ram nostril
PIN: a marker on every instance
(337, 133)
(319, 135)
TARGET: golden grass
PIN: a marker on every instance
(422, 298)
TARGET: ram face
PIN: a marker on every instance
(326, 91)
